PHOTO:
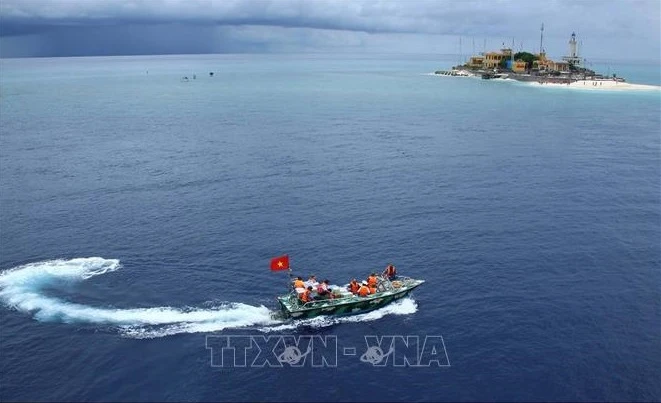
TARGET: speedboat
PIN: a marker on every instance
(454, 73)
(343, 302)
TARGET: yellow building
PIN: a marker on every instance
(476, 61)
(544, 64)
(560, 66)
(519, 66)
(493, 59)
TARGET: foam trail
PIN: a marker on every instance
(21, 288)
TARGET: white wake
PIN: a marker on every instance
(22, 288)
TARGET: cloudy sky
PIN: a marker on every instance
(608, 29)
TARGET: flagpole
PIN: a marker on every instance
(290, 277)
(282, 262)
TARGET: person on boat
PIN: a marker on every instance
(372, 280)
(298, 283)
(306, 296)
(331, 295)
(364, 289)
(312, 281)
(323, 292)
(354, 286)
(390, 272)
(372, 288)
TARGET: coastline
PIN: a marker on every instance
(595, 85)
(571, 83)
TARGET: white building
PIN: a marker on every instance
(573, 57)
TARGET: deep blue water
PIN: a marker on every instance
(533, 215)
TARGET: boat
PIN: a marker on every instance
(454, 73)
(489, 76)
(346, 303)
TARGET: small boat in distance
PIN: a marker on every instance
(489, 76)
(454, 73)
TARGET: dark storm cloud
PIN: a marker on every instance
(53, 19)
(373, 16)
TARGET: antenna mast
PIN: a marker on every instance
(461, 55)
(541, 40)
(512, 53)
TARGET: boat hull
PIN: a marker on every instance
(350, 305)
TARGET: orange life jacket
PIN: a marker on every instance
(354, 287)
(299, 284)
(371, 281)
(305, 296)
(363, 291)
(372, 289)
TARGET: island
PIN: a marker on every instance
(538, 69)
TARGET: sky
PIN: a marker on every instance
(606, 29)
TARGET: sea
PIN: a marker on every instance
(142, 199)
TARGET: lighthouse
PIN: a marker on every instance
(573, 57)
(572, 45)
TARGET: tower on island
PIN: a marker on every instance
(573, 57)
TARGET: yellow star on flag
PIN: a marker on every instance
(279, 262)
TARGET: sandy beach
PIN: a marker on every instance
(598, 85)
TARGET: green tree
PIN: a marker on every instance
(529, 58)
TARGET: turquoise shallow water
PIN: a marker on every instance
(533, 215)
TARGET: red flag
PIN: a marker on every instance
(280, 263)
